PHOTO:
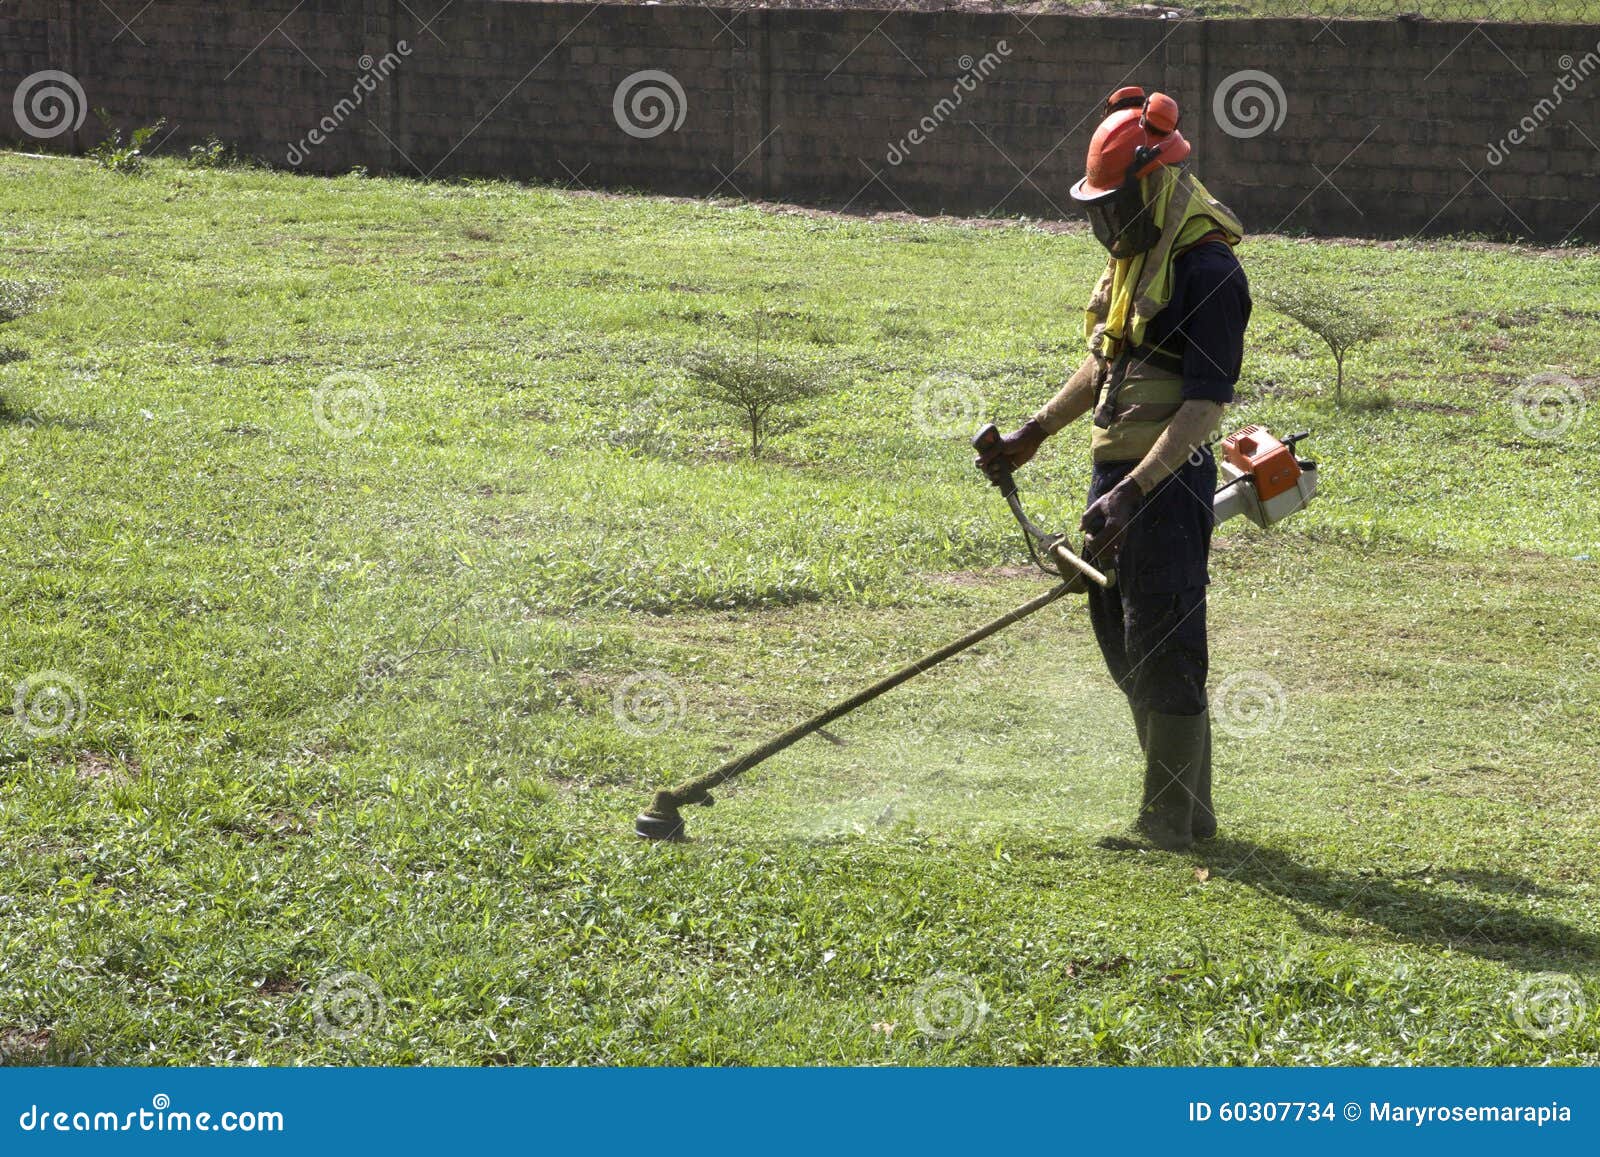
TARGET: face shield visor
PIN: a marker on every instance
(1121, 220)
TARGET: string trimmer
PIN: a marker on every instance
(1263, 480)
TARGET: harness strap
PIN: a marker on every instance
(1142, 358)
(1145, 411)
(1156, 357)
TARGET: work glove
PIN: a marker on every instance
(1014, 448)
(1107, 519)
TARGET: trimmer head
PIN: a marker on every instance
(654, 827)
(662, 820)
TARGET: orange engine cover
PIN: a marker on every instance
(1271, 465)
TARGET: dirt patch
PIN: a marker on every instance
(101, 767)
(841, 213)
(277, 826)
(19, 1046)
(987, 577)
(1502, 319)
(280, 986)
(1434, 408)
(1050, 7)
(1088, 966)
(1074, 225)
(228, 361)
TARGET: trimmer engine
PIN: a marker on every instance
(1262, 478)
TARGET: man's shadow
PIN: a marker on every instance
(24, 421)
(1456, 909)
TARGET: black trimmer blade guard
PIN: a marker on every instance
(652, 826)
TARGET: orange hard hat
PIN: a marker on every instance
(1138, 135)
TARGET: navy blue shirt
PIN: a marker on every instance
(1205, 319)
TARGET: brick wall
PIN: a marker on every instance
(1385, 124)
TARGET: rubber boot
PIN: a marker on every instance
(1204, 824)
(1174, 754)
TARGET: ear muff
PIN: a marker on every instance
(1130, 96)
(1159, 115)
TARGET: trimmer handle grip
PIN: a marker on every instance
(999, 472)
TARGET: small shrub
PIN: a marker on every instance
(1341, 322)
(753, 383)
(213, 153)
(119, 156)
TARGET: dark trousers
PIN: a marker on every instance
(1151, 626)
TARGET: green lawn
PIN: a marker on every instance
(349, 685)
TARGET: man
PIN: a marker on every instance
(1165, 328)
